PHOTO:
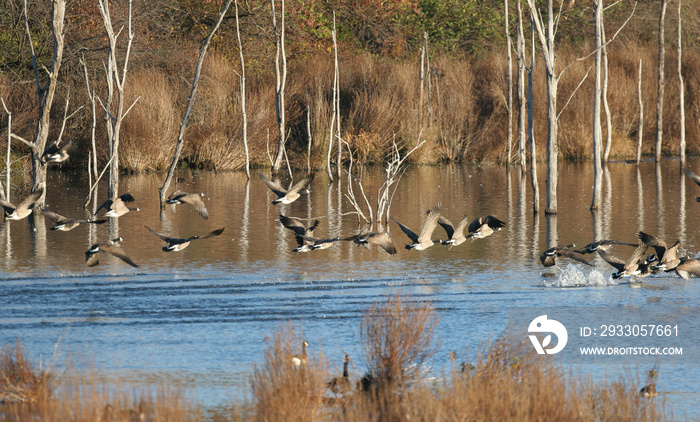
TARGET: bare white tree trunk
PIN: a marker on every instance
(421, 77)
(606, 106)
(681, 90)
(114, 116)
(522, 106)
(597, 131)
(190, 103)
(509, 84)
(338, 159)
(280, 84)
(531, 126)
(46, 93)
(661, 84)
(5, 193)
(244, 117)
(334, 106)
(640, 127)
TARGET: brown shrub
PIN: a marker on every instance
(20, 381)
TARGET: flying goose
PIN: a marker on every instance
(178, 198)
(342, 384)
(301, 359)
(455, 235)
(286, 196)
(115, 206)
(310, 243)
(667, 257)
(694, 177)
(18, 212)
(636, 265)
(549, 257)
(177, 244)
(484, 226)
(55, 154)
(295, 225)
(423, 241)
(687, 268)
(604, 244)
(65, 224)
(111, 247)
(366, 238)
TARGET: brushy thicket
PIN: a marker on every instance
(462, 116)
(398, 334)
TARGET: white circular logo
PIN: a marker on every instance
(543, 325)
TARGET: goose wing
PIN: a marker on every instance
(30, 200)
(429, 225)
(476, 224)
(568, 253)
(459, 230)
(115, 250)
(411, 235)
(449, 229)
(213, 233)
(274, 186)
(494, 222)
(301, 184)
(295, 225)
(196, 201)
(653, 241)
(55, 218)
(633, 262)
(383, 240)
(169, 239)
(612, 260)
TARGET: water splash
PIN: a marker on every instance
(574, 275)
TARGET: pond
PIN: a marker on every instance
(200, 317)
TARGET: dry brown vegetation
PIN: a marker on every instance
(507, 382)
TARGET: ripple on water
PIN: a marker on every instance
(574, 275)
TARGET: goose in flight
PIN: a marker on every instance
(286, 196)
(116, 207)
(177, 244)
(549, 257)
(667, 257)
(636, 265)
(381, 239)
(484, 226)
(112, 247)
(694, 177)
(455, 235)
(65, 224)
(604, 244)
(178, 198)
(423, 241)
(55, 154)
(18, 212)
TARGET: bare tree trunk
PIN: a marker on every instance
(606, 106)
(309, 139)
(640, 126)
(597, 131)
(427, 68)
(421, 77)
(46, 93)
(281, 82)
(661, 84)
(681, 90)
(531, 126)
(5, 193)
(338, 159)
(522, 111)
(115, 117)
(509, 84)
(244, 117)
(190, 103)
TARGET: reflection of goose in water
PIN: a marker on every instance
(178, 244)
(423, 241)
(178, 198)
(381, 239)
(111, 247)
(116, 207)
(18, 212)
(286, 196)
(66, 224)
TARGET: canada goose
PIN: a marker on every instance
(549, 257)
(66, 224)
(636, 265)
(115, 206)
(423, 241)
(295, 225)
(688, 267)
(694, 177)
(382, 239)
(55, 154)
(602, 244)
(667, 257)
(286, 196)
(178, 244)
(455, 235)
(18, 212)
(302, 358)
(649, 390)
(309, 243)
(342, 384)
(484, 226)
(111, 247)
(177, 198)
